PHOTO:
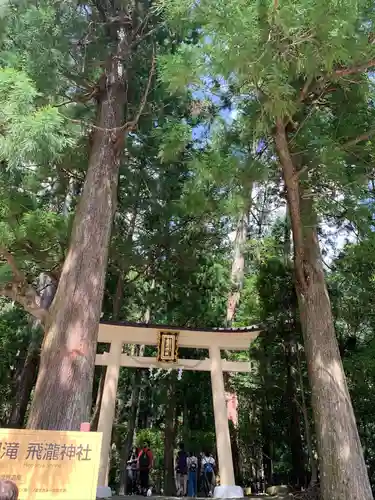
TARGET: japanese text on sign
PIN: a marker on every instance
(45, 451)
(168, 347)
(50, 465)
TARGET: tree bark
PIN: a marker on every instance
(135, 396)
(98, 402)
(27, 377)
(238, 264)
(343, 472)
(267, 445)
(309, 445)
(295, 440)
(237, 280)
(169, 438)
(19, 290)
(62, 397)
(131, 424)
(24, 385)
(235, 453)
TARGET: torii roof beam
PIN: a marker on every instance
(232, 339)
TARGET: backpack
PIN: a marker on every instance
(193, 466)
(182, 462)
(144, 460)
(208, 467)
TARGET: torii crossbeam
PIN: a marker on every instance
(118, 334)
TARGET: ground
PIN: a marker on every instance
(258, 497)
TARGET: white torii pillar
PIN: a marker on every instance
(227, 488)
(107, 414)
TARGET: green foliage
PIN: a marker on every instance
(174, 138)
(5, 273)
(15, 335)
(268, 56)
(30, 134)
(155, 440)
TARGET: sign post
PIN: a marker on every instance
(51, 465)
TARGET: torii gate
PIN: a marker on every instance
(118, 334)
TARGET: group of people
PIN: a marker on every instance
(138, 469)
(194, 473)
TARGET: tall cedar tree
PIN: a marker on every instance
(97, 43)
(299, 71)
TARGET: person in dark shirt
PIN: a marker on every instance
(192, 465)
(131, 469)
(208, 465)
(8, 490)
(181, 471)
(145, 463)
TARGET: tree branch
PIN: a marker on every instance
(293, 197)
(310, 82)
(20, 290)
(130, 125)
(134, 122)
(360, 138)
(355, 69)
(306, 89)
(18, 276)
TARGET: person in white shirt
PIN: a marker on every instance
(192, 465)
(208, 465)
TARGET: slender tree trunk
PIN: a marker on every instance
(137, 378)
(131, 423)
(343, 472)
(267, 450)
(309, 445)
(98, 402)
(185, 419)
(235, 452)
(267, 447)
(70, 196)
(62, 397)
(238, 264)
(287, 237)
(295, 439)
(27, 377)
(24, 385)
(237, 280)
(169, 439)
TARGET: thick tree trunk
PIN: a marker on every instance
(169, 438)
(27, 377)
(343, 472)
(63, 390)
